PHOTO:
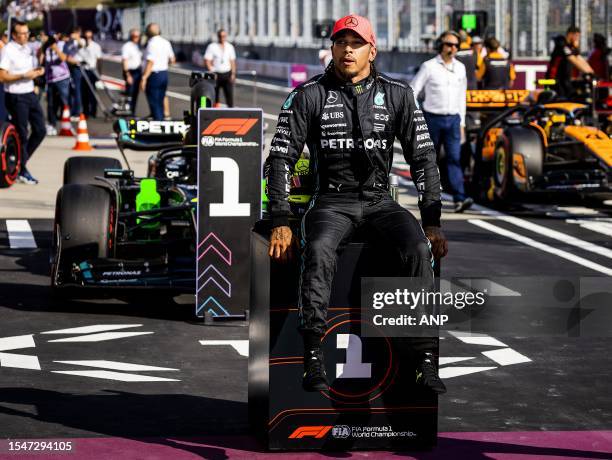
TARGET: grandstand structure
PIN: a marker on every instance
(526, 27)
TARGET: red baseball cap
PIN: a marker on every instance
(358, 24)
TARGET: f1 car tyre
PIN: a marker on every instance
(83, 170)
(10, 155)
(83, 223)
(518, 160)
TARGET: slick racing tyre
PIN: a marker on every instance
(518, 161)
(83, 170)
(10, 155)
(502, 168)
(84, 223)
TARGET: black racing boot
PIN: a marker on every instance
(427, 375)
(315, 377)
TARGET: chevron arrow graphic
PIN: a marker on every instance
(15, 360)
(215, 245)
(214, 303)
(222, 284)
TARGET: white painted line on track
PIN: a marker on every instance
(19, 361)
(180, 96)
(119, 376)
(450, 372)
(492, 288)
(17, 342)
(241, 346)
(116, 365)
(554, 234)
(477, 339)
(453, 359)
(101, 337)
(593, 225)
(92, 329)
(20, 234)
(506, 356)
(541, 246)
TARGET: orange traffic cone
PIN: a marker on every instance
(65, 126)
(82, 142)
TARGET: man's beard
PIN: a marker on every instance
(348, 74)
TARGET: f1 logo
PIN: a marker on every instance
(354, 368)
(316, 432)
(238, 126)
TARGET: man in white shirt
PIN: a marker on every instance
(220, 58)
(131, 61)
(158, 56)
(89, 56)
(18, 68)
(444, 83)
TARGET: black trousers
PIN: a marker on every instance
(223, 82)
(24, 109)
(90, 104)
(132, 90)
(327, 227)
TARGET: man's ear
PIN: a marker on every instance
(373, 52)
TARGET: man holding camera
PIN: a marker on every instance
(18, 69)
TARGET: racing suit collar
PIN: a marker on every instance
(353, 88)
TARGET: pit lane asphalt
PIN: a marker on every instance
(548, 383)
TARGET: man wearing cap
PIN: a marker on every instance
(349, 117)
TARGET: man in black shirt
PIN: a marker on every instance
(564, 58)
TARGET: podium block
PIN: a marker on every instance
(373, 402)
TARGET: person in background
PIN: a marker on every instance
(466, 56)
(497, 71)
(444, 84)
(325, 57)
(478, 58)
(131, 61)
(90, 55)
(73, 58)
(3, 112)
(220, 58)
(158, 56)
(40, 83)
(598, 59)
(58, 79)
(564, 59)
(18, 68)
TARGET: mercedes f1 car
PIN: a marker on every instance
(113, 229)
(526, 147)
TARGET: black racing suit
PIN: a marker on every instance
(349, 130)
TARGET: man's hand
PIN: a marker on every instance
(128, 79)
(143, 84)
(233, 78)
(439, 245)
(280, 243)
(462, 134)
(34, 73)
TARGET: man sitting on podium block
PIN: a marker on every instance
(349, 117)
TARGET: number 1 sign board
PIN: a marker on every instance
(229, 204)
